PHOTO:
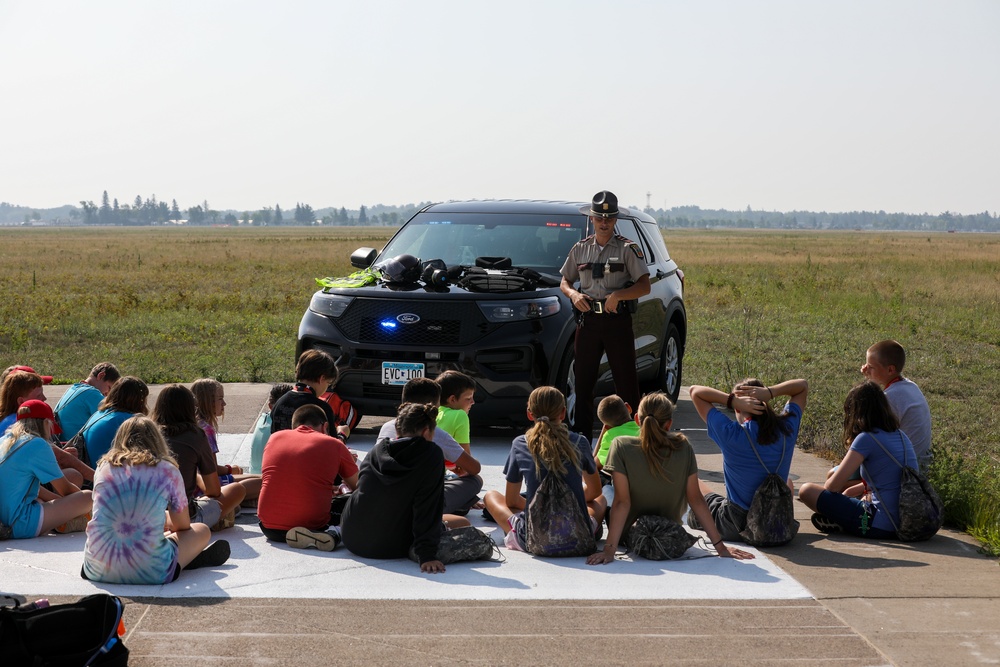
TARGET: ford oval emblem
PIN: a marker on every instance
(408, 318)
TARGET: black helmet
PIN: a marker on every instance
(400, 269)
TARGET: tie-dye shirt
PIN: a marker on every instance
(125, 540)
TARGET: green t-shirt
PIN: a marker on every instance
(455, 423)
(628, 428)
(650, 493)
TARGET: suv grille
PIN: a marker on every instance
(442, 322)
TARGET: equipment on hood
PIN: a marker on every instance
(400, 270)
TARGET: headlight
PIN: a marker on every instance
(522, 309)
(331, 305)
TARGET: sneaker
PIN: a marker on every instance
(6, 532)
(303, 538)
(488, 516)
(76, 525)
(214, 555)
(825, 525)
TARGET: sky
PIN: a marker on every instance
(852, 105)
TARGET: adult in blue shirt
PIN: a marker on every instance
(81, 400)
(757, 426)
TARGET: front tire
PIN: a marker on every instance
(566, 381)
(671, 359)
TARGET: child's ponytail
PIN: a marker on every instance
(548, 439)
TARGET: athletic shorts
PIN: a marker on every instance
(852, 514)
(729, 517)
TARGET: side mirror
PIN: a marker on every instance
(362, 258)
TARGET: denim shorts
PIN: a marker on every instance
(854, 515)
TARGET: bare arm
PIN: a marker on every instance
(840, 480)
(210, 485)
(578, 298)
(619, 512)
(641, 287)
(704, 399)
(468, 464)
(352, 481)
(515, 501)
(796, 390)
(704, 515)
(591, 486)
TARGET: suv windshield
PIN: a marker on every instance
(540, 242)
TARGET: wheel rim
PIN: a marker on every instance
(671, 365)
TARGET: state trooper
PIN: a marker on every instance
(612, 271)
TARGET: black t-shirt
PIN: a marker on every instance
(281, 413)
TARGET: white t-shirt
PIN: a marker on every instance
(449, 446)
(914, 415)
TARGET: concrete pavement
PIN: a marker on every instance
(871, 603)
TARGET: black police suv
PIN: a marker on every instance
(474, 286)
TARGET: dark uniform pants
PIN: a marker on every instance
(597, 334)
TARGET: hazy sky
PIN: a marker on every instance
(834, 106)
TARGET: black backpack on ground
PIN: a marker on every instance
(921, 511)
(555, 525)
(82, 633)
(771, 518)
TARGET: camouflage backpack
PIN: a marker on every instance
(921, 511)
(659, 538)
(771, 518)
(467, 543)
(556, 526)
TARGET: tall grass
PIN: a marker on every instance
(174, 304)
(779, 305)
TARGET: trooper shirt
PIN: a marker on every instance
(619, 262)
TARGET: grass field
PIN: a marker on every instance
(172, 304)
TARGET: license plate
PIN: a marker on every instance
(396, 372)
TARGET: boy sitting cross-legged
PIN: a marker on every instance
(461, 489)
(300, 471)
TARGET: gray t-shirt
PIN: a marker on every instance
(449, 447)
(914, 415)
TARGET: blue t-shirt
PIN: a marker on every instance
(520, 467)
(7, 422)
(28, 463)
(879, 471)
(743, 472)
(100, 432)
(76, 406)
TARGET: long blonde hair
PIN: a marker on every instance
(657, 443)
(205, 392)
(33, 428)
(548, 439)
(138, 442)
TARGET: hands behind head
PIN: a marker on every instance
(747, 401)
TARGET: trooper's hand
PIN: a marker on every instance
(581, 302)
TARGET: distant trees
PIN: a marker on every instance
(304, 214)
(278, 217)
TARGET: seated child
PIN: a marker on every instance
(461, 490)
(81, 400)
(210, 399)
(262, 430)
(301, 468)
(396, 511)
(314, 373)
(208, 501)
(548, 446)
(616, 417)
(136, 482)
(27, 462)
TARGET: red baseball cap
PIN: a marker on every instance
(46, 379)
(35, 409)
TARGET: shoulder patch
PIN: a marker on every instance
(632, 245)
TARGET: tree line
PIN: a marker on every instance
(151, 211)
(695, 217)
